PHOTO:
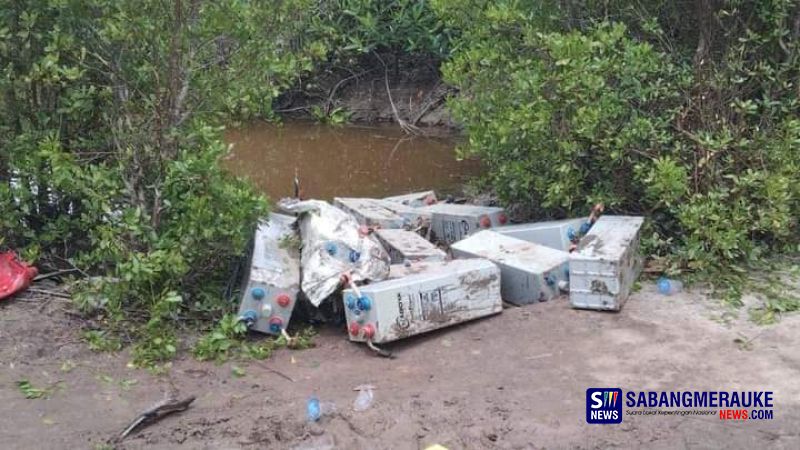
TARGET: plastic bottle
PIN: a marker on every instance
(364, 398)
(313, 409)
(668, 286)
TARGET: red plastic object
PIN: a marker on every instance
(15, 275)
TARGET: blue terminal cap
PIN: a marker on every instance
(350, 302)
(258, 293)
(550, 280)
(364, 303)
(571, 234)
(354, 256)
(330, 247)
(249, 317)
(585, 227)
(275, 328)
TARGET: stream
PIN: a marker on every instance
(347, 161)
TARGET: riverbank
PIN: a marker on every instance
(517, 380)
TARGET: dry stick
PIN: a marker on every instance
(156, 413)
(405, 126)
(54, 274)
(46, 292)
(277, 372)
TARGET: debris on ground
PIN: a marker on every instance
(668, 286)
(15, 275)
(331, 247)
(154, 414)
(453, 222)
(370, 212)
(557, 234)
(272, 282)
(403, 245)
(606, 263)
(529, 272)
(450, 292)
(351, 244)
(364, 398)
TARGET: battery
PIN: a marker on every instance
(445, 294)
(557, 234)
(404, 245)
(530, 272)
(414, 199)
(415, 217)
(606, 263)
(370, 212)
(270, 287)
(453, 222)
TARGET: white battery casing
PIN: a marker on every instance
(404, 245)
(606, 263)
(452, 222)
(272, 281)
(530, 272)
(445, 294)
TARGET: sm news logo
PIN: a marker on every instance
(604, 405)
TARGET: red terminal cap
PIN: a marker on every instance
(345, 278)
(369, 331)
(276, 320)
(354, 329)
(502, 218)
(429, 200)
(363, 230)
(485, 222)
(283, 300)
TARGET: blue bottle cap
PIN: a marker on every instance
(664, 285)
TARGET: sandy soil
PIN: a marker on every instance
(517, 380)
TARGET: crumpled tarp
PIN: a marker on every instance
(15, 275)
(332, 246)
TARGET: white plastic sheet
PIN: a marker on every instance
(332, 246)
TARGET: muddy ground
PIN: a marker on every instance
(517, 380)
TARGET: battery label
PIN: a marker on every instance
(453, 231)
(423, 305)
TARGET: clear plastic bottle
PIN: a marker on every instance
(668, 286)
(364, 398)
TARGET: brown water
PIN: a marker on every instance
(346, 161)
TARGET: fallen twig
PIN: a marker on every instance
(45, 276)
(156, 413)
(47, 292)
(277, 372)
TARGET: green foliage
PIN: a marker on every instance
(102, 341)
(30, 392)
(337, 116)
(691, 124)
(353, 27)
(222, 340)
(228, 339)
(109, 125)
